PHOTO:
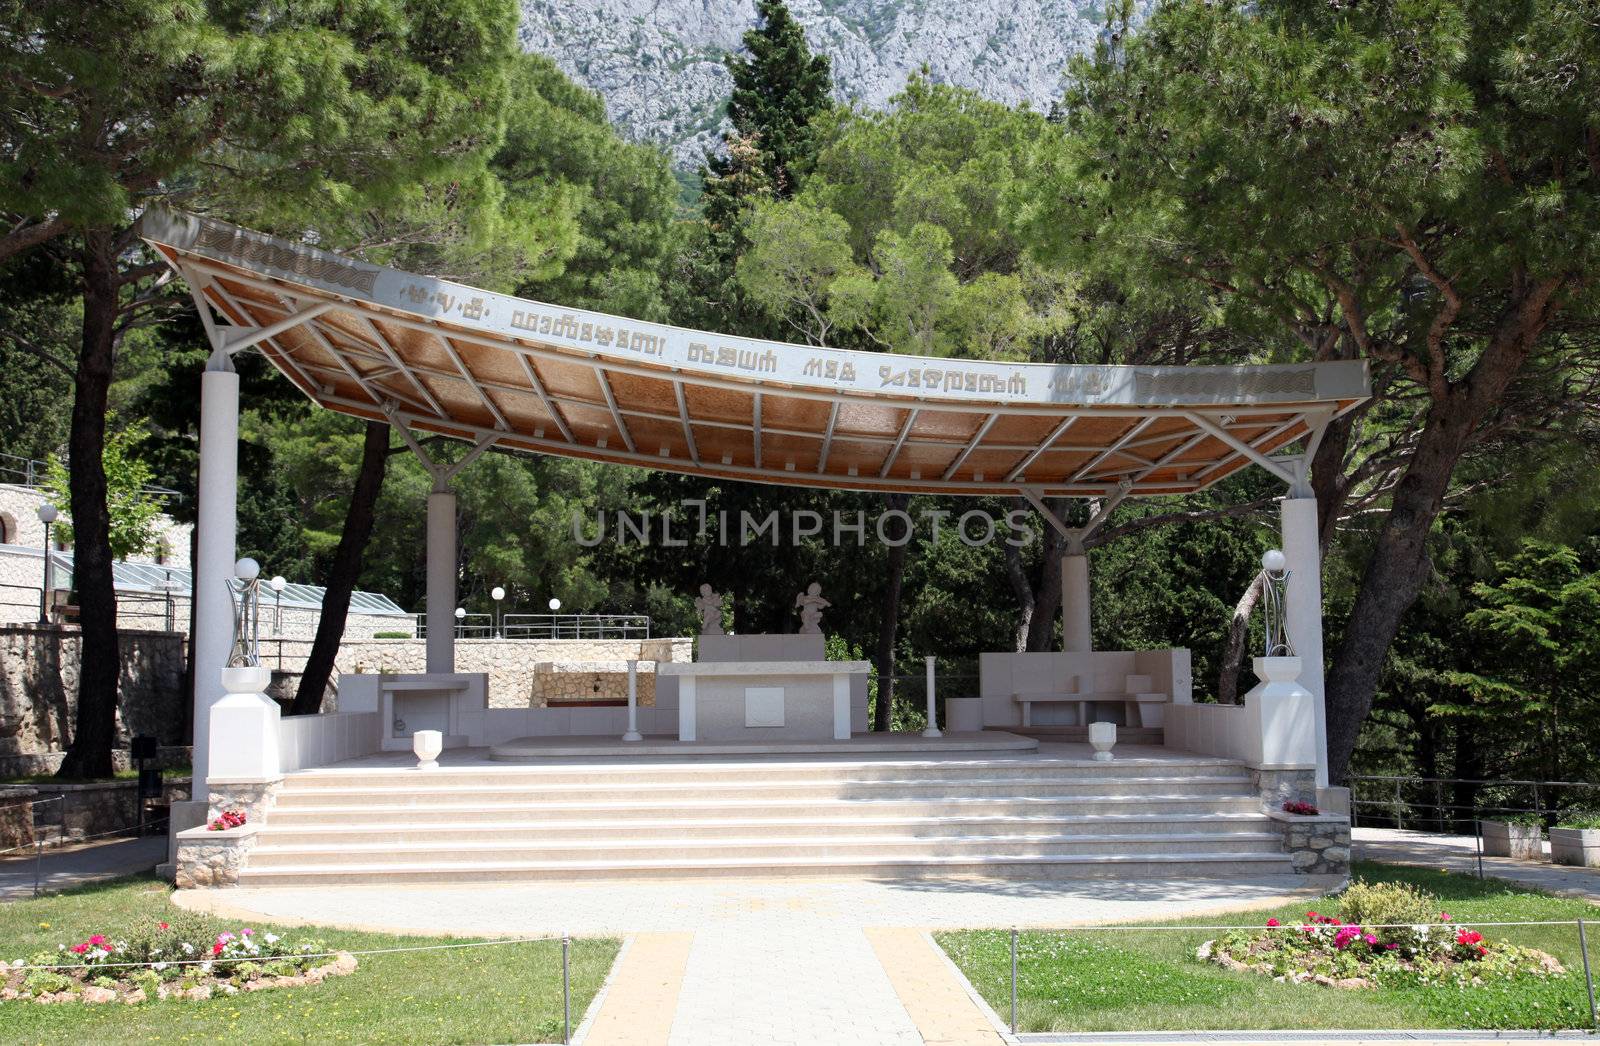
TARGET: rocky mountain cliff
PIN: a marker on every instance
(658, 63)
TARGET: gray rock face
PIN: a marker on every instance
(658, 63)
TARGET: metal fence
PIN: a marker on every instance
(1445, 804)
(548, 626)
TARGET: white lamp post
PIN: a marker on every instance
(555, 627)
(47, 516)
(497, 594)
(247, 616)
(461, 615)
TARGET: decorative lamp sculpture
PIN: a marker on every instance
(1275, 567)
(47, 516)
(811, 606)
(245, 591)
(461, 617)
(709, 605)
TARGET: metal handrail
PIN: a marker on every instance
(1398, 806)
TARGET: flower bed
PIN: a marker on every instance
(1410, 942)
(163, 961)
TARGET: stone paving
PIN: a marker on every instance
(74, 866)
(770, 961)
(1459, 853)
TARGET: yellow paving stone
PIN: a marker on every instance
(939, 1005)
(638, 1007)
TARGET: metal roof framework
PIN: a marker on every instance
(435, 356)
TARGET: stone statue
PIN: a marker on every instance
(811, 606)
(709, 604)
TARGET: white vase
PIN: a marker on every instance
(427, 744)
(1102, 736)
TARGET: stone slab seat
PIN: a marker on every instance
(1133, 702)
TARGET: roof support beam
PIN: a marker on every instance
(683, 416)
(544, 397)
(611, 404)
(972, 444)
(899, 441)
(394, 357)
(1116, 446)
(1033, 455)
(466, 376)
(1277, 468)
(827, 439)
(242, 338)
(755, 427)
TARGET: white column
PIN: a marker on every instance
(441, 580)
(1075, 626)
(216, 529)
(932, 729)
(1303, 610)
(633, 703)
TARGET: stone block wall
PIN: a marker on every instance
(567, 682)
(16, 817)
(39, 690)
(511, 664)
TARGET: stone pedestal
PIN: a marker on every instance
(244, 728)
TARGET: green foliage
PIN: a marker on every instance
(134, 510)
(1382, 903)
(1585, 821)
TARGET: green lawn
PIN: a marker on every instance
(507, 993)
(1079, 980)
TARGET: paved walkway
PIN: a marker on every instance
(1459, 853)
(810, 962)
(76, 865)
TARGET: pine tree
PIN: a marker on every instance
(779, 90)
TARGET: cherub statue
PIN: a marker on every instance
(811, 606)
(709, 604)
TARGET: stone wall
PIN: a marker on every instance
(1317, 845)
(16, 816)
(511, 664)
(96, 808)
(39, 690)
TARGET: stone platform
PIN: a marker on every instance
(528, 748)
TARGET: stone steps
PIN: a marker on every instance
(648, 811)
(1033, 816)
(1202, 864)
(408, 833)
(612, 790)
(713, 772)
(782, 848)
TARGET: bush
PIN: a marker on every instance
(1577, 820)
(392, 635)
(1373, 904)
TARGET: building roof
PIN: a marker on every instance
(437, 356)
(154, 579)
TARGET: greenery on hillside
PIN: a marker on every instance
(1212, 187)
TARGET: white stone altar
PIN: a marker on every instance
(777, 701)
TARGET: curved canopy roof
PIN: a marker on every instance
(438, 356)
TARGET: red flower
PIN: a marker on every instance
(80, 948)
(161, 926)
(216, 949)
(1272, 922)
(1468, 937)
(98, 939)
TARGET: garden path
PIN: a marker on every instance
(769, 961)
(76, 865)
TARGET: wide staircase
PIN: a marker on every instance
(1018, 818)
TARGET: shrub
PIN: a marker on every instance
(1579, 820)
(1376, 904)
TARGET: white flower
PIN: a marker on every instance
(19, 962)
(160, 966)
(271, 938)
(188, 949)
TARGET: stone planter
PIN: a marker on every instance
(206, 858)
(1575, 846)
(1508, 839)
(1102, 738)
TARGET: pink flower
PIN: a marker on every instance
(1444, 917)
(80, 948)
(1272, 922)
(1370, 939)
(98, 939)
(247, 931)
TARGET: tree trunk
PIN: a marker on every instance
(1399, 562)
(95, 733)
(1238, 634)
(1024, 593)
(1047, 597)
(881, 715)
(344, 571)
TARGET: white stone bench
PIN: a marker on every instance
(1134, 700)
